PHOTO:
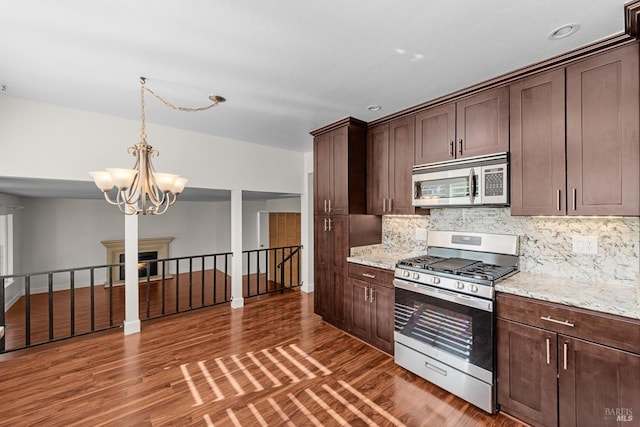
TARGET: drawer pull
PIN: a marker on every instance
(435, 369)
(548, 353)
(370, 276)
(560, 322)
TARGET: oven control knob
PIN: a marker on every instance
(459, 285)
(435, 280)
(473, 288)
(415, 276)
(405, 273)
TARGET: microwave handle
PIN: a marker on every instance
(472, 186)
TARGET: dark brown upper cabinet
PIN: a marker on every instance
(538, 145)
(339, 168)
(473, 126)
(603, 134)
(389, 161)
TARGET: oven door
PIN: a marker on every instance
(448, 187)
(451, 328)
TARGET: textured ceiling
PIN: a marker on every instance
(285, 66)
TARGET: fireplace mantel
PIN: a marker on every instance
(154, 244)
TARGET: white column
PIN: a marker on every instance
(237, 300)
(306, 210)
(131, 315)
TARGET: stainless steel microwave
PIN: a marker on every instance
(473, 181)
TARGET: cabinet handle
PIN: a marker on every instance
(451, 153)
(325, 224)
(384, 205)
(325, 205)
(329, 205)
(372, 295)
(390, 205)
(565, 356)
(559, 200)
(370, 276)
(575, 193)
(460, 146)
(435, 368)
(548, 354)
(560, 322)
(329, 221)
(366, 294)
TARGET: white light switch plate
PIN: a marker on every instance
(585, 245)
(421, 234)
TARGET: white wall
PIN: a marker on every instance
(45, 141)
(7, 204)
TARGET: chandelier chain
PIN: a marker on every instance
(177, 107)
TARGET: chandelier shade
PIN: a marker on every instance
(142, 189)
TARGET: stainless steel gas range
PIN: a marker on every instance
(444, 311)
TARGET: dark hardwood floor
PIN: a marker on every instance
(272, 362)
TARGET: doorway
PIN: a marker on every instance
(284, 230)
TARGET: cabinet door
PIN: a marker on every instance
(527, 373)
(538, 145)
(322, 285)
(382, 299)
(377, 169)
(482, 123)
(322, 164)
(603, 142)
(597, 384)
(401, 144)
(435, 135)
(338, 253)
(359, 307)
(339, 193)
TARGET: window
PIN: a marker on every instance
(6, 246)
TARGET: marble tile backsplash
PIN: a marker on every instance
(545, 242)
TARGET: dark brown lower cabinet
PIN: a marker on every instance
(548, 378)
(369, 305)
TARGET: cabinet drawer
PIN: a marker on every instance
(607, 329)
(374, 275)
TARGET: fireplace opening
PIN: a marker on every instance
(144, 264)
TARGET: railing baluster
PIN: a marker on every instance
(226, 263)
(73, 302)
(2, 318)
(248, 274)
(27, 310)
(93, 306)
(202, 282)
(110, 297)
(178, 285)
(190, 283)
(50, 288)
(215, 279)
(148, 296)
(266, 269)
(164, 263)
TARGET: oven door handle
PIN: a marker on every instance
(466, 300)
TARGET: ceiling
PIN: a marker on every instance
(285, 66)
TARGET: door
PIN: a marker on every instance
(322, 171)
(603, 148)
(538, 145)
(322, 259)
(284, 231)
(338, 230)
(527, 372)
(435, 135)
(339, 197)
(377, 170)
(401, 146)
(359, 308)
(598, 385)
(381, 301)
(482, 123)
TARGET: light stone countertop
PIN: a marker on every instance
(622, 300)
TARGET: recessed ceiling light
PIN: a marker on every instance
(374, 108)
(564, 31)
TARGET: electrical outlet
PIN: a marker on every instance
(585, 245)
(421, 234)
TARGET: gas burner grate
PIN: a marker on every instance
(486, 271)
(420, 261)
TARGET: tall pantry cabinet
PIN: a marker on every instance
(339, 156)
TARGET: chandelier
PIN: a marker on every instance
(142, 189)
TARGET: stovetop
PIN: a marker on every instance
(462, 267)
